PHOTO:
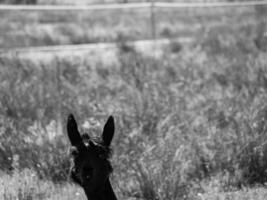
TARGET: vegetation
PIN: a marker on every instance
(190, 124)
(43, 28)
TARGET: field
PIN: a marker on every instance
(190, 122)
(23, 28)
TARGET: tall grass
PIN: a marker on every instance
(42, 28)
(188, 124)
(25, 185)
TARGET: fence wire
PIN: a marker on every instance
(96, 7)
(133, 5)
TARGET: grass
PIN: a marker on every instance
(26, 185)
(246, 194)
(190, 124)
(180, 121)
(33, 28)
(55, 28)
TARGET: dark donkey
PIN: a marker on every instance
(91, 167)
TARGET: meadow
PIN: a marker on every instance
(190, 124)
(42, 28)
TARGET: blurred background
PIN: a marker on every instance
(185, 80)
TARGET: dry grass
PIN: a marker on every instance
(26, 185)
(194, 118)
(190, 124)
(30, 28)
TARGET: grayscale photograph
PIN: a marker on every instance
(133, 99)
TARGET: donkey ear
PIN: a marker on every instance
(73, 133)
(108, 131)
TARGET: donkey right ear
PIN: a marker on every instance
(108, 131)
(73, 133)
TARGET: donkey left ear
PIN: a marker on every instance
(108, 131)
(73, 133)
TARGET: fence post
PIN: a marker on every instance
(153, 20)
(261, 29)
(153, 28)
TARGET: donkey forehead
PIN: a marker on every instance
(90, 146)
(86, 154)
(90, 143)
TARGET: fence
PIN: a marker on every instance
(133, 5)
(152, 6)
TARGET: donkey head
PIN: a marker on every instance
(90, 156)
